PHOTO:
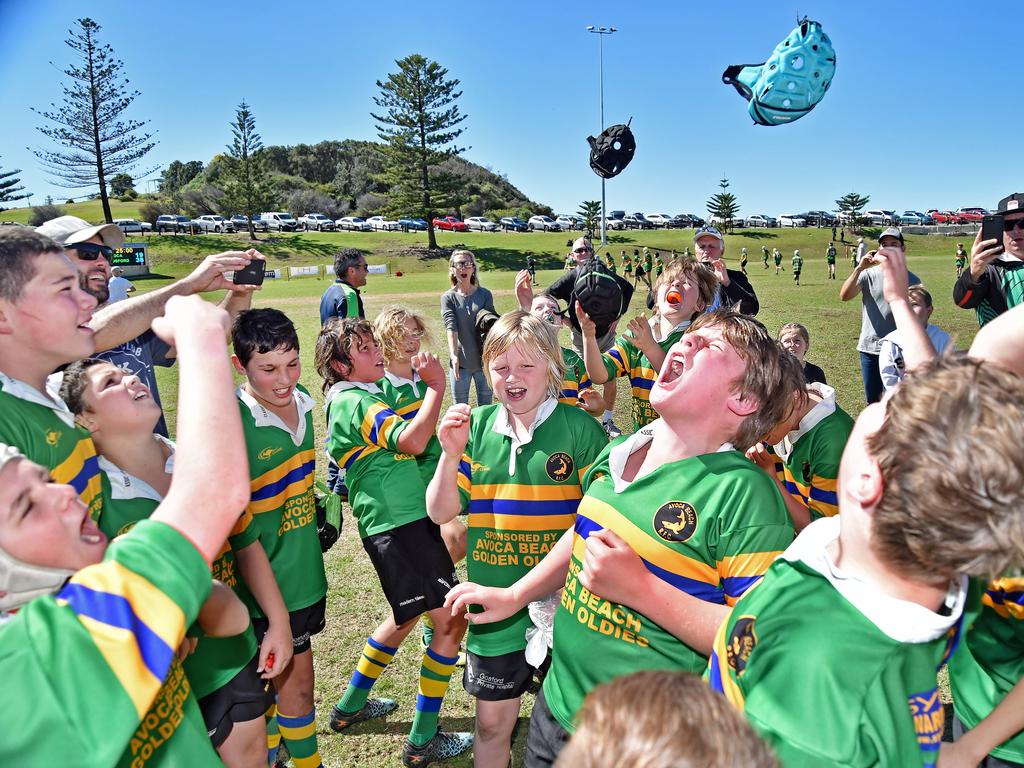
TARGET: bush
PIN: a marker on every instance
(370, 204)
(148, 211)
(303, 201)
(43, 213)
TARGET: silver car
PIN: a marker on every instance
(480, 224)
(212, 223)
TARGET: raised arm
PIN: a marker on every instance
(851, 285)
(917, 347)
(443, 502)
(593, 360)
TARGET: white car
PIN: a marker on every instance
(543, 223)
(211, 223)
(660, 220)
(610, 223)
(316, 221)
(354, 223)
(131, 225)
(789, 220)
(760, 220)
(569, 221)
(480, 224)
(383, 224)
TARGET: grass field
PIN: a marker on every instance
(355, 605)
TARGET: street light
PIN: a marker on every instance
(601, 32)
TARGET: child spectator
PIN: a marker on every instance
(961, 260)
(743, 260)
(830, 260)
(890, 355)
(796, 340)
(638, 718)
(577, 389)
(370, 440)
(517, 467)
(798, 265)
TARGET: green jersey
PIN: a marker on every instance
(611, 264)
(778, 256)
(575, 380)
(626, 359)
(832, 671)
(830, 255)
(521, 498)
(648, 260)
(97, 661)
(385, 486)
(961, 258)
(627, 265)
(406, 397)
(41, 427)
(281, 471)
(708, 525)
(764, 254)
(216, 660)
(990, 658)
(798, 262)
(808, 457)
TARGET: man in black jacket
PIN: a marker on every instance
(994, 279)
(734, 287)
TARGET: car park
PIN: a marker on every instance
(450, 223)
(880, 217)
(944, 217)
(242, 223)
(613, 223)
(212, 223)
(316, 221)
(761, 220)
(659, 220)
(352, 224)
(133, 225)
(543, 223)
(687, 220)
(383, 224)
(406, 224)
(972, 213)
(280, 221)
(791, 220)
(916, 217)
(175, 224)
(480, 224)
(512, 224)
(818, 218)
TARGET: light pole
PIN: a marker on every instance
(601, 32)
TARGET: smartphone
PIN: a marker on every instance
(992, 228)
(252, 274)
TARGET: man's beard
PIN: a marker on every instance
(100, 292)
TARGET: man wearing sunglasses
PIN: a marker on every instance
(121, 329)
(734, 288)
(994, 281)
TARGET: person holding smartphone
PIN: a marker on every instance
(994, 279)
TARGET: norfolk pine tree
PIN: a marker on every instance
(851, 205)
(9, 186)
(723, 205)
(590, 212)
(247, 186)
(94, 143)
(418, 126)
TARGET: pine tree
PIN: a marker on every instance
(850, 205)
(590, 212)
(246, 183)
(94, 143)
(10, 186)
(723, 205)
(419, 125)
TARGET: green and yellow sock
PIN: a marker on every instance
(299, 734)
(435, 674)
(375, 659)
(273, 735)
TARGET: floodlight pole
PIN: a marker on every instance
(601, 32)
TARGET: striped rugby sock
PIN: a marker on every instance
(273, 734)
(375, 659)
(435, 674)
(299, 734)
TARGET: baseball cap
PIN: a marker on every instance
(1011, 203)
(708, 230)
(891, 232)
(68, 230)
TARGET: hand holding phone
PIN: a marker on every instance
(992, 229)
(252, 274)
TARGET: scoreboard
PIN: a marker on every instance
(132, 258)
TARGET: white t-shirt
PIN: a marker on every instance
(119, 288)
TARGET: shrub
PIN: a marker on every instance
(43, 213)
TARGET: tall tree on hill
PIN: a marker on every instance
(93, 142)
(850, 205)
(9, 186)
(419, 125)
(590, 212)
(178, 174)
(723, 205)
(246, 183)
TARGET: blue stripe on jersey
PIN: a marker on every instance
(116, 611)
(827, 497)
(410, 415)
(378, 421)
(641, 383)
(715, 673)
(466, 469)
(1000, 597)
(735, 586)
(271, 490)
(524, 507)
(353, 457)
(90, 469)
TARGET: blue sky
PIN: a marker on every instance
(920, 114)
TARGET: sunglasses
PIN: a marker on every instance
(1009, 224)
(581, 250)
(462, 264)
(91, 251)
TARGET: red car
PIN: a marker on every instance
(450, 223)
(971, 214)
(945, 217)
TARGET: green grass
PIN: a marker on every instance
(90, 210)
(355, 604)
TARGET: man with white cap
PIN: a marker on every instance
(994, 280)
(121, 330)
(119, 286)
(734, 287)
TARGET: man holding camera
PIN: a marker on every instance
(994, 281)
(734, 287)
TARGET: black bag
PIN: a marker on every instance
(484, 320)
(598, 291)
(611, 151)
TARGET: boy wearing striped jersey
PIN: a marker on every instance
(122, 415)
(683, 292)
(577, 388)
(802, 453)
(44, 316)
(674, 526)
(516, 466)
(377, 448)
(854, 620)
(90, 632)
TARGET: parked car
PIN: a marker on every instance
(480, 224)
(791, 220)
(353, 224)
(881, 217)
(613, 223)
(132, 225)
(242, 223)
(636, 221)
(450, 223)
(316, 221)
(915, 217)
(660, 220)
(543, 223)
(569, 221)
(513, 224)
(280, 221)
(175, 224)
(944, 217)
(818, 218)
(687, 220)
(213, 223)
(761, 220)
(407, 224)
(972, 213)
(383, 224)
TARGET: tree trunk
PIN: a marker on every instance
(431, 239)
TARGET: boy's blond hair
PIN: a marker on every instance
(919, 295)
(707, 281)
(662, 720)
(764, 380)
(389, 330)
(334, 344)
(530, 334)
(950, 454)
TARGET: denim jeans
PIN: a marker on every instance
(869, 371)
(460, 387)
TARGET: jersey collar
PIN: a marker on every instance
(815, 416)
(503, 426)
(619, 454)
(682, 325)
(902, 620)
(49, 399)
(401, 381)
(264, 418)
(125, 486)
(342, 386)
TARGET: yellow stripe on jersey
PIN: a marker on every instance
(1006, 597)
(741, 573)
(378, 423)
(521, 492)
(718, 671)
(819, 495)
(81, 471)
(291, 478)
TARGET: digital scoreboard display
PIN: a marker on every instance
(129, 255)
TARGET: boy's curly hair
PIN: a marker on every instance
(334, 344)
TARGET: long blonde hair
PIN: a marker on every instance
(389, 328)
(529, 333)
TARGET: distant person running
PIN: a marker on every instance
(743, 260)
(830, 259)
(531, 267)
(777, 255)
(961, 259)
(641, 271)
(627, 266)
(765, 255)
(610, 261)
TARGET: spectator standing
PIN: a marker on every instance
(460, 306)
(342, 299)
(798, 265)
(994, 279)
(118, 286)
(734, 287)
(830, 260)
(961, 260)
(795, 339)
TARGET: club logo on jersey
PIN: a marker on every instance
(52, 437)
(559, 466)
(675, 521)
(929, 720)
(742, 640)
(266, 453)
(476, 466)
